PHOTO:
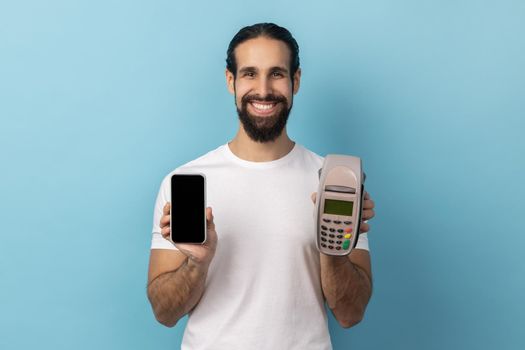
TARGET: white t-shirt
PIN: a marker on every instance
(263, 289)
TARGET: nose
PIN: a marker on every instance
(264, 87)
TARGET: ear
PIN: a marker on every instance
(230, 81)
(296, 80)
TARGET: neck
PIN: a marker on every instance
(245, 148)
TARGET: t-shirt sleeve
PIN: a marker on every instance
(157, 241)
(362, 242)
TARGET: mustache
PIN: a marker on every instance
(268, 98)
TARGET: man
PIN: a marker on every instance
(258, 282)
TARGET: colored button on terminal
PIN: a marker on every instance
(346, 244)
(348, 236)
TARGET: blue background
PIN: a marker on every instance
(101, 99)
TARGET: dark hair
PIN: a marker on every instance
(269, 30)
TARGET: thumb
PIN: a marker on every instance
(209, 218)
(314, 196)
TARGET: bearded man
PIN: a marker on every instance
(258, 282)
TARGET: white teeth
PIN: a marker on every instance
(262, 107)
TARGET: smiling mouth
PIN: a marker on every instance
(264, 108)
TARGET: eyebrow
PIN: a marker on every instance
(255, 69)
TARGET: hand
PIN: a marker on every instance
(196, 253)
(368, 211)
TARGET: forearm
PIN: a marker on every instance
(346, 287)
(173, 294)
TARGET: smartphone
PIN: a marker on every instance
(188, 208)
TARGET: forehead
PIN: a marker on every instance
(262, 53)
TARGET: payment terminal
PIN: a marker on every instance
(338, 205)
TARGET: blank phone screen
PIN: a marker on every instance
(188, 223)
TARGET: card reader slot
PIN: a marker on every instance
(339, 189)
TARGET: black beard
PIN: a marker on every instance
(264, 129)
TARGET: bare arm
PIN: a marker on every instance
(347, 281)
(347, 285)
(176, 278)
(173, 294)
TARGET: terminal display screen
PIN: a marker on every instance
(338, 207)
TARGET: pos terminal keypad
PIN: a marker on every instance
(336, 232)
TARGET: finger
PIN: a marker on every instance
(165, 232)
(367, 196)
(211, 240)
(209, 218)
(368, 214)
(314, 196)
(166, 209)
(368, 204)
(364, 227)
(164, 221)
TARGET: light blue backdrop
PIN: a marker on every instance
(100, 99)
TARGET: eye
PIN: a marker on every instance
(249, 74)
(277, 74)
